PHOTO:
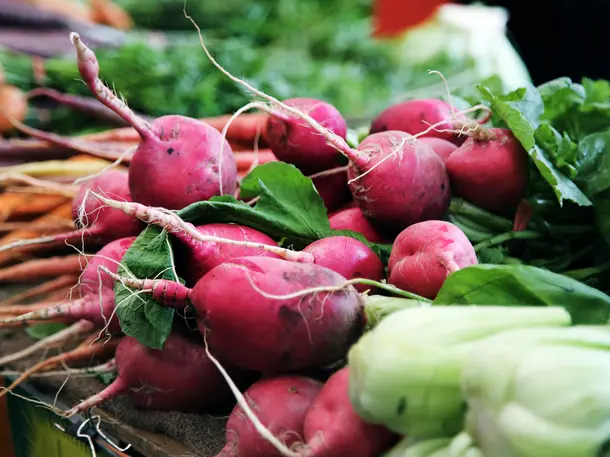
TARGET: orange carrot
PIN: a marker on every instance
(243, 130)
(59, 224)
(35, 269)
(15, 205)
(245, 159)
(50, 286)
(63, 211)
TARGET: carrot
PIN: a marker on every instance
(62, 211)
(41, 268)
(18, 205)
(109, 13)
(84, 350)
(44, 288)
(94, 149)
(60, 224)
(243, 130)
(245, 159)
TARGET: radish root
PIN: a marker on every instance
(174, 224)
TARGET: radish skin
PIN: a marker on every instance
(241, 304)
(281, 334)
(281, 404)
(298, 144)
(348, 257)
(332, 187)
(180, 377)
(172, 146)
(415, 116)
(490, 172)
(201, 256)
(332, 428)
(442, 148)
(353, 219)
(425, 254)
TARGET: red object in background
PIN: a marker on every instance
(393, 17)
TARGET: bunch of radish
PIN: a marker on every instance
(264, 311)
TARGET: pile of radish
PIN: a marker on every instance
(270, 316)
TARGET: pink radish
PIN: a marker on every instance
(269, 315)
(348, 257)
(280, 403)
(416, 176)
(179, 161)
(294, 142)
(99, 224)
(353, 219)
(96, 290)
(180, 377)
(333, 429)
(415, 116)
(332, 187)
(424, 254)
(199, 257)
(443, 148)
(387, 160)
(203, 242)
(490, 170)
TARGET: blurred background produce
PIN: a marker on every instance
(286, 48)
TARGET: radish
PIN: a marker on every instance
(424, 254)
(348, 257)
(419, 184)
(202, 245)
(333, 429)
(96, 303)
(296, 143)
(353, 219)
(387, 160)
(416, 116)
(490, 169)
(180, 377)
(332, 187)
(199, 257)
(443, 148)
(267, 306)
(98, 224)
(280, 404)
(179, 160)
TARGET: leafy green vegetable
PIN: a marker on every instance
(40, 331)
(140, 316)
(527, 286)
(521, 111)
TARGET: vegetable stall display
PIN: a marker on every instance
(371, 329)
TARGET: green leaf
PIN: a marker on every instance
(41, 331)
(562, 150)
(107, 377)
(526, 286)
(594, 155)
(140, 316)
(289, 208)
(521, 111)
